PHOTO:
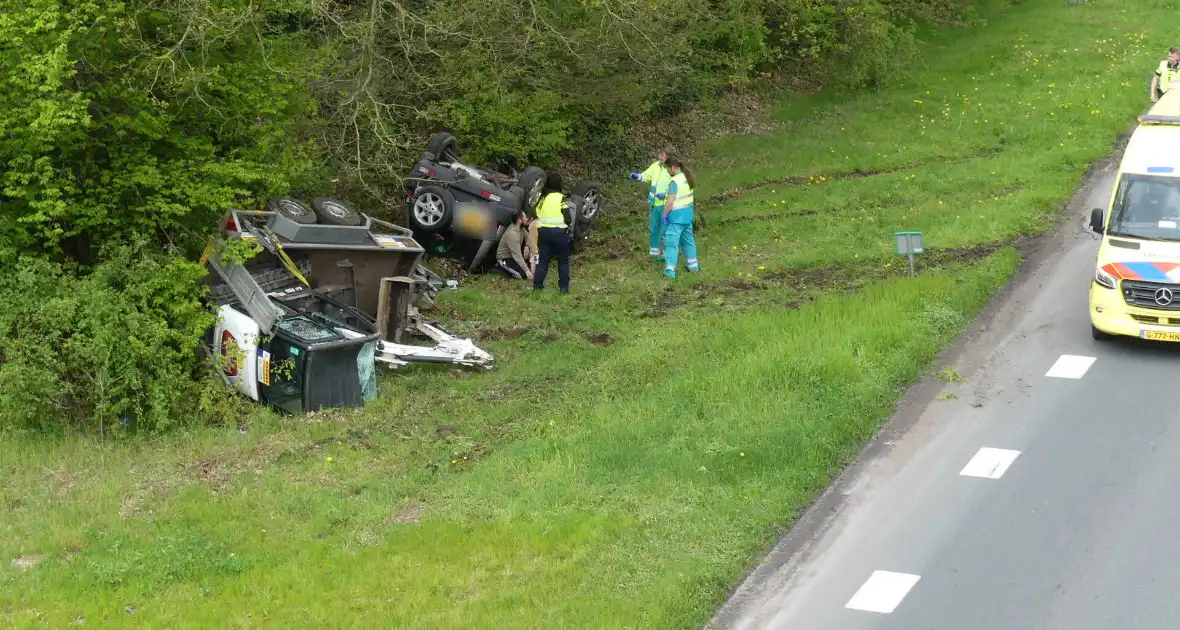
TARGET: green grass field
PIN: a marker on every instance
(640, 443)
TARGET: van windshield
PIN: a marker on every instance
(1147, 207)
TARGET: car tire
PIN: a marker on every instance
(335, 212)
(431, 209)
(445, 147)
(486, 249)
(292, 209)
(591, 193)
(532, 182)
(1099, 335)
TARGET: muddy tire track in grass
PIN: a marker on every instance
(797, 180)
(793, 288)
(866, 208)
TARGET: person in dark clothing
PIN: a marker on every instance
(553, 236)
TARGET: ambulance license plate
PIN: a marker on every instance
(1155, 335)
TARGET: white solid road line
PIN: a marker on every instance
(990, 463)
(882, 592)
(1070, 366)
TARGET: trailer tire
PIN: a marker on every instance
(431, 209)
(335, 212)
(532, 182)
(444, 146)
(292, 209)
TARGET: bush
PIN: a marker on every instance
(142, 119)
(109, 349)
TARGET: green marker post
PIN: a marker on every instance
(908, 244)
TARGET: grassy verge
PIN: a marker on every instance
(639, 445)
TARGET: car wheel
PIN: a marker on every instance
(335, 212)
(445, 147)
(292, 209)
(431, 209)
(532, 182)
(1099, 335)
(592, 203)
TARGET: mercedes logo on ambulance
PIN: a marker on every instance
(1163, 297)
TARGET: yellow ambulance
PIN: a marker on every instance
(1136, 287)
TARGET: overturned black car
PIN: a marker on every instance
(460, 211)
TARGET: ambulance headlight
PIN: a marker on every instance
(1104, 279)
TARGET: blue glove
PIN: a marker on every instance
(665, 219)
(636, 176)
(661, 196)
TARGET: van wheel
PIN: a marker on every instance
(1099, 335)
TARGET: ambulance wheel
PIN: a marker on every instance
(335, 212)
(291, 208)
(1099, 335)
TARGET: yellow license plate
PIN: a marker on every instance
(475, 223)
(472, 221)
(1155, 335)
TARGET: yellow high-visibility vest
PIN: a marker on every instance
(659, 177)
(683, 193)
(549, 211)
(1169, 78)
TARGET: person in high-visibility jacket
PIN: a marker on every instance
(1167, 76)
(658, 176)
(553, 236)
(678, 215)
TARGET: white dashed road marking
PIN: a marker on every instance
(882, 592)
(990, 463)
(1070, 366)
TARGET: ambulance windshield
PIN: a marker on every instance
(1147, 207)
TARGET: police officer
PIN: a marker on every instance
(658, 176)
(677, 219)
(1167, 76)
(553, 237)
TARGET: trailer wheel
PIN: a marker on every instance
(291, 208)
(445, 147)
(431, 209)
(532, 182)
(335, 212)
(592, 199)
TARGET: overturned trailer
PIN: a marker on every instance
(303, 322)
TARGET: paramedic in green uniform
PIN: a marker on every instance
(677, 219)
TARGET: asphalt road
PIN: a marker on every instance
(1073, 523)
